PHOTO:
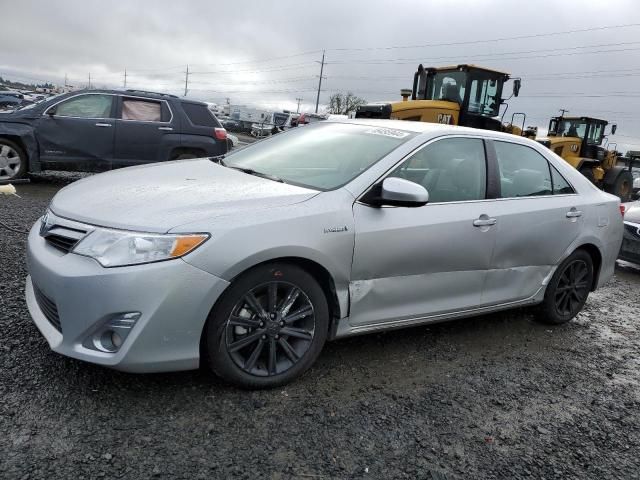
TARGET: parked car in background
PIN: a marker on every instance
(9, 102)
(307, 118)
(100, 130)
(252, 262)
(630, 250)
(636, 184)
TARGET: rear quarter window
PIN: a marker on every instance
(200, 115)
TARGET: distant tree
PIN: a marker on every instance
(343, 103)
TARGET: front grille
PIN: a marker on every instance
(62, 234)
(48, 307)
(62, 243)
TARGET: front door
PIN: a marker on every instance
(417, 262)
(538, 218)
(78, 133)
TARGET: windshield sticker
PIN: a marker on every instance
(387, 132)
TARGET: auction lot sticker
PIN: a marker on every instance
(387, 132)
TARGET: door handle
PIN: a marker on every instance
(573, 213)
(103, 124)
(484, 222)
(166, 129)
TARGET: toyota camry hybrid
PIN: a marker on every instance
(248, 263)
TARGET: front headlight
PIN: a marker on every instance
(116, 248)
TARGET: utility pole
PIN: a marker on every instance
(563, 111)
(125, 78)
(186, 81)
(320, 81)
(65, 80)
(89, 80)
(299, 100)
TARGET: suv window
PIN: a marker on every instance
(141, 110)
(560, 185)
(86, 106)
(453, 169)
(523, 171)
(200, 115)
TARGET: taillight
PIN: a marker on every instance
(623, 209)
(220, 133)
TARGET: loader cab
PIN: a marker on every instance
(477, 90)
(590, 131)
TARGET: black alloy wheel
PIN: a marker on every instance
(270, 329)
(573, 288)
(568, 289)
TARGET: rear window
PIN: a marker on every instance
(200, 115)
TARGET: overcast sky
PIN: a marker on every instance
(266, 53)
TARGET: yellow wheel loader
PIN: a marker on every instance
(578, 140)
(466, 95)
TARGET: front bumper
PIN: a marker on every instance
(173, 297)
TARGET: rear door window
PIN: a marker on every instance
(86, 106)
(200, 115)
(523, 171)
(141, 110)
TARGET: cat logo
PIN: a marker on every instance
(574, 147)
(445, 118)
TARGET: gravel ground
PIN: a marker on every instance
(498, 396)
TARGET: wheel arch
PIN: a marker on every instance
(318, 271)
(596, 256)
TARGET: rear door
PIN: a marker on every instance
(78, 133)
(538, 216)
(142, 126)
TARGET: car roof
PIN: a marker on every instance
(137, 93)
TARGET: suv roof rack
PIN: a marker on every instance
(133, 90)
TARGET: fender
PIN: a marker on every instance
(27, 138)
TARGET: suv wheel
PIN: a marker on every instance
(13, 161)
(268, 327)
(568, 289)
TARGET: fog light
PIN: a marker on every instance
(112, 334)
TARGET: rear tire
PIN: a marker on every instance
(268, 327)
(568, 289)
(13, 161)
(184, 156)
(623, 186)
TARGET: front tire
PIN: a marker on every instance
(13, 161)
(268, 327)
(568, 289)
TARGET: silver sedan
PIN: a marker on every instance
(251, 262)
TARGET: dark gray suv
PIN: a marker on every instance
(97, 130)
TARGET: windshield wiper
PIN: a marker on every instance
(251, 171)
(219, 159)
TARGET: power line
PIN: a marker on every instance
(492, 54)
(501, 39)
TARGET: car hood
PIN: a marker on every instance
(159, 197)
(632, 213)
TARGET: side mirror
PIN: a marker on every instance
(614, 127)
(51, 112)
(516, 86)
(403, 193)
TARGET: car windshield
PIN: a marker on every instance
(323, 156)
